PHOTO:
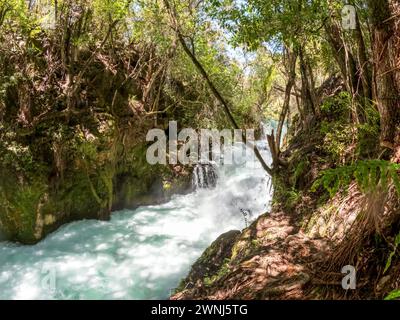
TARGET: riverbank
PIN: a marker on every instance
(298, 249)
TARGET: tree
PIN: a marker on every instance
(386, 71)
(214, 90)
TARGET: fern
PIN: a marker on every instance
(394, 295)
(369, 175)
(389, 261)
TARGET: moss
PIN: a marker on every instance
(19, 208)
(337, 137)
(368, 134)
(88, 189)
(299, 170)
(337, 107)
(224, 270)
(323, 214)
(255, 243)
(285, 194)
(214, 263)
(166, 185)
(243, 246)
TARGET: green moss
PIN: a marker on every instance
(20, 207)
(87, 188)
(299, 170)
(337, 107)
(337, 137)
(223, 271)
(368, 134)
(394, 295)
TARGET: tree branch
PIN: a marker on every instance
(214, 90)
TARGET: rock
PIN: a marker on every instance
(2, 235)
(212, 259)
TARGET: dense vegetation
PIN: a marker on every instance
(82, 82)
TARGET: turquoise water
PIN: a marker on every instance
(139, 254)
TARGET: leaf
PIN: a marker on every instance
(389, 260)
(368, 174)
(395, 179)
(394, 295)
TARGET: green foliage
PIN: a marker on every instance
(292, 198)
(394, 295)
(368, 133)
(262, 21)
(369, 174)
(20, 205)
(337, 132)
(224, 270)
(299, 170)
(337, 107)
(337, 138)
(343, 138)
(285, 193)
(253, 102)
(392, 254)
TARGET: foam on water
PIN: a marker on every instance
(139, 254)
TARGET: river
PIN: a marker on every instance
(139, 254)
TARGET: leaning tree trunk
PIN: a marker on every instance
(214, 90)
(291, 69)
(386, 53)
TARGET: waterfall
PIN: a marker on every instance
(204, 176)
(141, 253)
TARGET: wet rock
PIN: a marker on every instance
(212, 259)
(2, 235)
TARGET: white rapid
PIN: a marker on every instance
(139, 254)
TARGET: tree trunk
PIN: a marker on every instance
(291, 69)
(306, 95)
(212, 87)
(364, 68)
(348, 67)
(385, 72)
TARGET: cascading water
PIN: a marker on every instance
(204, 176)
(139, 254)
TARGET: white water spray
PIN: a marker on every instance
(139, 254)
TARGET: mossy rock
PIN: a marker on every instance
(212, 260)
(32, 205)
